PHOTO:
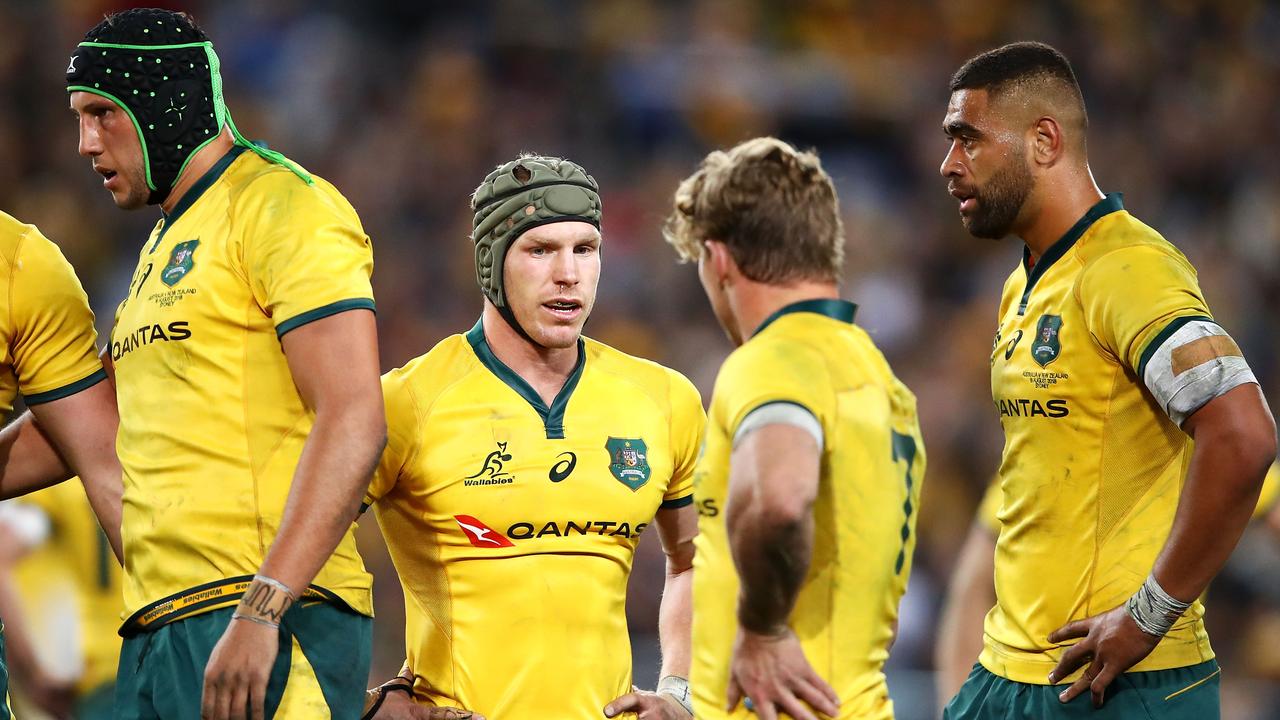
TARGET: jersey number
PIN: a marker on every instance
(904, 449)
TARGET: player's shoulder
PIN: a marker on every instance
(425, 377)
(15, 233)
(254, 181)
(655, 379)
(1120, 238)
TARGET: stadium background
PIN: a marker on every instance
(405, 107)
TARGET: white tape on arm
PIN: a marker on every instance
(1194, 365)
(780, 413)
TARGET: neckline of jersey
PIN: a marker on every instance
(1107, 205)
(836, 309)
(553, 415)
(197, 190)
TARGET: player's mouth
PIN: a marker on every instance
(563, 308)
(107, 177)
(968, 200)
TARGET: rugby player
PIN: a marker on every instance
(51, 358)
(524, 463)
(971, 592)
(1136, 436)
(246, 440)
(50, 543)
(809, 484)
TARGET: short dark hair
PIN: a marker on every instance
(1012, 63)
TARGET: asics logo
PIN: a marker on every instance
(1008, 353)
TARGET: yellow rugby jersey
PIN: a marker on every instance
(513, 524)
(211, 424)
(48, 347)
(78, 546)
(989, 509)
(1092, 466)
(811, 354)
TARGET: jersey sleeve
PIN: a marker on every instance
(54, 345)
(1135, 296)
(402, 430)
(305, 253)
(688, 421)
(775, 372)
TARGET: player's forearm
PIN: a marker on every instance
(675, 621)
(970, 596)
(1223, 483)
(330, 481)
(771, 552)
(28, 461)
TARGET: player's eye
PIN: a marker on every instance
(584, 249)
(538, 251)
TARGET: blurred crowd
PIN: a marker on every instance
(406, 106)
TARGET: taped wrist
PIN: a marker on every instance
(677, 688)
(374, 698)
(1154, 610)
(265, 602)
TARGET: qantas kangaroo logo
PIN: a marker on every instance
(481, 535)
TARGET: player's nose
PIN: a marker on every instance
(90, 142)
(951, 165)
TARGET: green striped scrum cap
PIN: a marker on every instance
(529, 191)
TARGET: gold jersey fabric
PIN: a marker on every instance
(77, 550)
(48, 347)
(211, 424)
(513, 524)
(1092, 466)
(989, 508)
(873, 461)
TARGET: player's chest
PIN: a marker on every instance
(608, 473)
(186, 283)
(1044, 362)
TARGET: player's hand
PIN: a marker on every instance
(1112, 641)
(235, 680)
(398, 706)
(772, 671)
(647, 706)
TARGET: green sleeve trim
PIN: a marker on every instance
(677, 502)
(66, 390)
(1168, 331)
(146, 159)
(320, 313)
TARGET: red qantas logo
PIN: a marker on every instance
(479, 534)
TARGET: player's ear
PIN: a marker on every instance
(1047, 143)
(719, 260)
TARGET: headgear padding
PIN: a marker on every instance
(522, 195)
(162, 70)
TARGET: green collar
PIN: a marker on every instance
(552, 417)
(1107, 205)
(841, 310)
(194, 192)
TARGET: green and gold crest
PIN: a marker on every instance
(628, 461)
(1047, 346)
(181, 260)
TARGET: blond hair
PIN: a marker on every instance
(773, 206)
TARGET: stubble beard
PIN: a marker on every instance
(1000, 201)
